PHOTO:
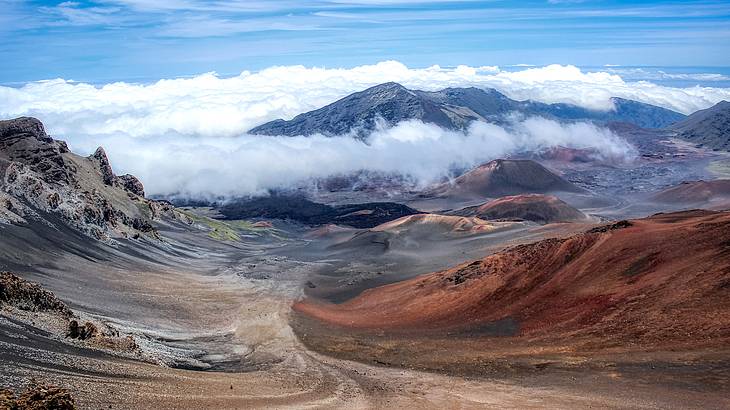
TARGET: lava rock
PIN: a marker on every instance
(38, 397)
(28, 296)
(104, 166)
(131, 184)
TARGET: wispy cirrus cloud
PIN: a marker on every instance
(70, 12)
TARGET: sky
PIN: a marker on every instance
(143, 40)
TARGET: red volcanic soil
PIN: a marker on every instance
(695, 192)
(504, 177)
(530, 207)
(434, 223)
(658, 282)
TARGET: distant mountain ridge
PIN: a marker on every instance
(451, 108)
(709, 127)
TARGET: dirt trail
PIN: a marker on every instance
(255, 316)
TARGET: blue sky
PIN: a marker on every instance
(106, 40)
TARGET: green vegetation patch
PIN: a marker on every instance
(225, 230)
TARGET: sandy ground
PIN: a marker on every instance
(285, 374)
(219, 316)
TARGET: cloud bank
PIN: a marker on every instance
(207, 167)
(187, 135)
(213, 106)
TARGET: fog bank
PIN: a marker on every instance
(206, 167)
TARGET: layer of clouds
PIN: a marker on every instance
(188, 135)
(213, 106)
(207, 167)
(661, 75)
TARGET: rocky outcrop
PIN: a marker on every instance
(31, 303)
(105, 167)
(82, 332)
(131, 184)
(40, 175)
(29, 296)
(24, 140)
(37, 397)
(126, 181)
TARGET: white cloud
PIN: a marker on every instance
(206, 167)
(659, 75)
(210, 105)
(187, 135)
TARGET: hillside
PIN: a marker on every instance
(531, 207)
(452, 108)
(710, 127)
(694, 192)
(656, 282)
(503, 177)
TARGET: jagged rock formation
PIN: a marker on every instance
(24, 141)
(710, 127)
(503, 177)
(39, 175)
(452, 108)
(131, 184)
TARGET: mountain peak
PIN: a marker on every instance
(451, 108)
(391, 85)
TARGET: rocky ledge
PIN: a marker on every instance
(39, 175)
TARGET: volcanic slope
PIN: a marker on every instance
(710, 127)
(695, 192)
(530, 207)
(416, 231)
(503, 177)
(655, 283)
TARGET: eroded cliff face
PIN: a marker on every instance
(39, 177)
